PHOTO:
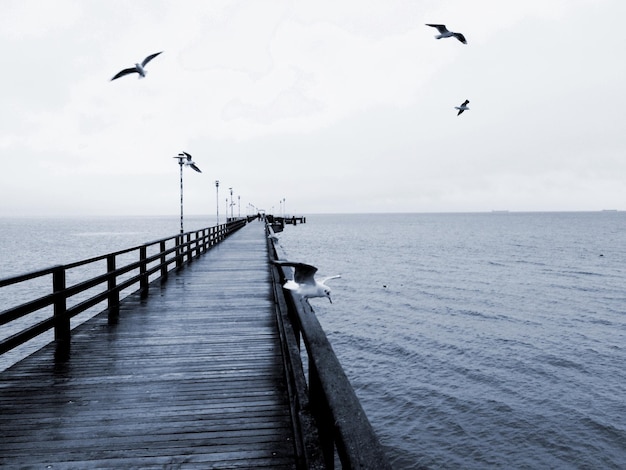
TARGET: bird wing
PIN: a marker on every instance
(149, 58)
(193, 165)
(460, 37)
(121, 73)
(330, 277)
(303, 273)
(186, 155)
(290, 285)
(440, 27)
(460, 111)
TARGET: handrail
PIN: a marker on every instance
(186, 247)
(343, 427)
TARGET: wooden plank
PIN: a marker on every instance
(190, 377)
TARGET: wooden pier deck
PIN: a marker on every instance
(190, 377)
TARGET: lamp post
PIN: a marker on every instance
(231, 203)
(184, 159)
(239, 206)
(217, 200)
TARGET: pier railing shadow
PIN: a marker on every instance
(142, 265)
(332, 423)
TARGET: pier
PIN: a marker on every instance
(199, 367)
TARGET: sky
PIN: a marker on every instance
(307, 107)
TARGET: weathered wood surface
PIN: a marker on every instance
(190, 377)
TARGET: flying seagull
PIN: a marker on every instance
(138, 68)
(463, 107)
(304, 282)
(189, 161)
(444, 33)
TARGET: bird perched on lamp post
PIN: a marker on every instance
(184, 159)
(189, 162)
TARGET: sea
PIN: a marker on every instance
(473, 340)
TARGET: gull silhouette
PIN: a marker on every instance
(304, 283)
(138, 68)
(463, 107)
(189, 161)
(444, 33)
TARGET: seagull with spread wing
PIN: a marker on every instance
(463, 107)
(189, 162)
(304, 283)
(138, 68)
(444, 33)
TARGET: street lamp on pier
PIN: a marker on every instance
(231, 203)
(217, 201)
(184, 159)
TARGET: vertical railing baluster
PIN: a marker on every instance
(143, 272)
(62, 321)
(322, 415)
(113, 297)
(163, 260)
(188, 250)
(179, 251)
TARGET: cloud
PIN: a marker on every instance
(342, 106)
(29, 19)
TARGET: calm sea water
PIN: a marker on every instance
(493, 340)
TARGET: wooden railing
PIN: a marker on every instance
(329, 414)
(151, 261)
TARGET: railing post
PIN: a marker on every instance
(143, 272)
(114, 295)
(322, 416)
(179, 251)
(62, 321)
(163, 260)
(188, 250)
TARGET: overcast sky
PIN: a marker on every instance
(333, 106)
